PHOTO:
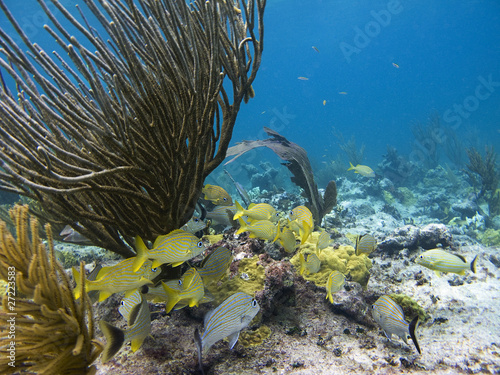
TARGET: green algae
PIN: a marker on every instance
(490, 237)
(254, 338)
(342, 259)
(389, 198)
(406, 196)
(410, 307)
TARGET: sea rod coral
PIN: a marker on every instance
(118, 142)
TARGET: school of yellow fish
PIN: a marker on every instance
(134, 276)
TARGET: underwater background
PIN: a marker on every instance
(407, 88)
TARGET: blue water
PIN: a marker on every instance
(445, 52)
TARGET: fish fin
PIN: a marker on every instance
(173, 297)
(278, 232)
(473, 264)
(176, 264)
(197, 340)
(233, 338)
(115, 338)
(78, 289)
(134, 313)
(136, 344)
(306, 231)
(103, 295)
(329, 296)
(129, 292)
(438, 274)
(351, 167)
(412, 328)
(302, 260)
(250, 206)
(243, 226)
(156, 263)
(142, 254)
(239, 210)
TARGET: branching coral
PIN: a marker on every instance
(118, 142)
(43, 329)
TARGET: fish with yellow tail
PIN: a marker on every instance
(140, 328)
(365, 244)
(441, 261)
(227, 320)
(390, 316)
(191, 291)
(263, 229)
(312, 264)
(215, 264)
(334, 283)
(324, 240)
(363, 170)
(118, 278)
(300, 220)
(217, 195)
(173, 248)
(127, 304)
(286, 238)
(259, 211)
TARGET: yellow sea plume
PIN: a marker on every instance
(43, 329)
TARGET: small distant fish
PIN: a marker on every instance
(323, 242)
(175, 247)
(286, 238)
(342, 93)
(303, 217)
(303, 78)
(395, 65)
(441, 261)
(263, 229)
(71, 235)
(140, 328)
(128, 303)
(391, 318)
(215, 264)
(259, 211)
(314, 48)
(334, 283)
(311, 265)
(222, 215)
(363, 170)
(324, 102)
(191, 290)
(117, 278)
(217, 195)
(365, 244)
(195, 224)
(241, 190)
(227, 320)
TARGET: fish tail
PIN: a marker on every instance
(78, 289)
(197, 340)
(302, 264)
(351, 167)
(412, 328)
(473, 264)
(239, 210)
(115, 337)
(278, 232)
(173, 297)
(142, 253)
(243, 226)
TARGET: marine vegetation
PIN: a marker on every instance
(297, 162)
(118, 142)
(54, 334)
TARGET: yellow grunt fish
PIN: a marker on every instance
(323, 242)
(441, 261)
(128, 303)
(287, 239)
(217, 195)
(263, 229)
(174, 248)
(191, 291)
(215, 264)
(259, 211)
(311, 265)
(365, 244)
(363, 170)
(140, 328)
(334, 283)
(301, 221)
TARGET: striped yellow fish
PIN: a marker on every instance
(301, 221)
(391, 318)
(140, 328)
(227, 320)
(217, 195)
(311, 265)
(259, 211)
(263, 229)
(174, 248)
(334, 283)
(215, 264)
(323, 242)
(363, 170)
(118, 278)
(222, 215)
(191, 290)
(128, 303)
(286, 238)
(365, 244)
(441, 261)
(194, 225)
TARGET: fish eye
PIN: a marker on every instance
(196, 219)
(180, 282)
(200, 244)
(122, 303)
(153, 269)
(224, 199)
(291, 212)
(254, 303)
